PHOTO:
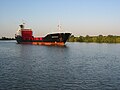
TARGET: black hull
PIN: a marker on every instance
(50, 39)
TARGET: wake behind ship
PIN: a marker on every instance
(25, 36)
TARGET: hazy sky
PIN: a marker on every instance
(81, 17)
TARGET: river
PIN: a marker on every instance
(76, 66)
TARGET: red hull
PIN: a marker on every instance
(44, 43)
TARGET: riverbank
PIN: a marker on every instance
(97, 39)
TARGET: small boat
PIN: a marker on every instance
(25, 36)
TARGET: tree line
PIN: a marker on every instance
(5, 38)
(97, 39)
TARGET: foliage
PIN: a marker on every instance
(5, 38)
(97, 39)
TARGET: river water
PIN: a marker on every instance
(76, 66)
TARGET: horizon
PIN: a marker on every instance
(81, 17)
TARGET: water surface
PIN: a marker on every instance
(77, 66)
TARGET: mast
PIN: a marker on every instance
(59, 26)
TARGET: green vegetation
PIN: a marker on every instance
(4, 38)
(96, 39)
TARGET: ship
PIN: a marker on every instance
(25, 36)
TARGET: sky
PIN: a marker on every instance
(80, 17)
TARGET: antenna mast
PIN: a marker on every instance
(59, 26)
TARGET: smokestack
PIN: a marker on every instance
(22, 26)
